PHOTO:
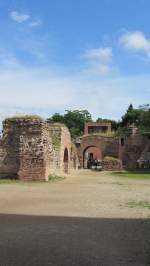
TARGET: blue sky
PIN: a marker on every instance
(74, 54)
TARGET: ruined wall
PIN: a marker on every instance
(112, 165)
(74, 160)
(33, 149)
(65, 147)
(61, 140)
(9, 148)
(108, 146)
(132, 148)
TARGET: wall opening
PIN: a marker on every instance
(66, 160)
(122, 142)
(90, 155)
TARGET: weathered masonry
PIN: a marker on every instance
(130, 147)
(32, 149)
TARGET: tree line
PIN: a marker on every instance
(75, 120)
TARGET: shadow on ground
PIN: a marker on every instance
(67, 241)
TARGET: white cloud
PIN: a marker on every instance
(97, 69)
(136, 41)
(22, 17)
(35, 23)
(40, 91)
(98, 61)
(101, 54)
(8, 60)
(19, 17)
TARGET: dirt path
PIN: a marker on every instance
(84, 194)
(82, 220)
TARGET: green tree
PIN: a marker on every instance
(132, 116)
(56, 118)
(145, 120)
(145, 107)
(74, 120)
(114, 124)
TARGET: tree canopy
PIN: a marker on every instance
(139, 117)
(114, 123)
(74, 120)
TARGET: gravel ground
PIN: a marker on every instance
(82, 220)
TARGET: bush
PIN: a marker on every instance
(54, 177)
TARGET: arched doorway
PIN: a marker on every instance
(66, 160)
(91, 153)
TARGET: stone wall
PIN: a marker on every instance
(132, 148)
(9, 149)
(108, 146)
(33, 149)
(112, 165)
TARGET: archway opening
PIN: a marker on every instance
(66, 160)
(90, 155)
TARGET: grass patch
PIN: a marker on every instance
(110, 158)
(140, 204)
(133, 174)
(56, 141)
(54, 178)
(8, 181)
(24, 118)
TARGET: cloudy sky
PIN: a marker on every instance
(74, 54)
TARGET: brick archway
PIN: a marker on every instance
(91, 152)
(108, 146)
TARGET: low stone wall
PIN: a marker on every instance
(111, 165)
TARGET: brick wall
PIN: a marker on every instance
(33, 149)
(108, 146)
(133, 147)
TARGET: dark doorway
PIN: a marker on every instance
(90, 154)
(66, 160)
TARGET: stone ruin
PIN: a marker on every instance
(134, 149)
(32, 149)
(128, 149)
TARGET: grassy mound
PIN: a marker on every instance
(110, 158)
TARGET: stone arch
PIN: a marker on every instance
(66, 160)
(107, 145)
(91, 152)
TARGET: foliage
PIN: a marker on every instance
(74, 120)
(133, 174)
(110, 158)
(8, 179)
(139, 117)
(139, 204)
(145, 120)
(132, 116)
(114, 124)
(24, 117)
(111, 134)
(57, 118)
(55, 178)
(56, 141)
